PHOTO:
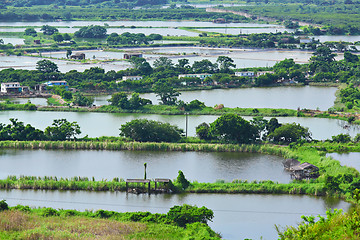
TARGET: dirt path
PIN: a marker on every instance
(248, 15)
(59, 99)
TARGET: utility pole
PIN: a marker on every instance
(186, 125)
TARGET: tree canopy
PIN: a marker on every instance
(233, 128)
(144, 130)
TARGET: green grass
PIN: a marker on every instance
(22, 222)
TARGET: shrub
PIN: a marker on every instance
(187, 214)
(144, 130)
(3, 205)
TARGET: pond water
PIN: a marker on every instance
(351, 159)
(236, 31)
(197, 166)
(29, 63)
(146, 31)
(36, 101)
(242, 57)
(275, 97)
(236, 216)
(321, 128)
(337, 38)
(12, 40)
(154, 24)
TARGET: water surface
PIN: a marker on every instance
(236, 216)
(321, 128)
(351, 159)
(197, 166)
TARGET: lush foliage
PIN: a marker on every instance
(62, 130)
(91, 32)
(121, 100)
(233, 128)
(43, 223)
(144, 130)
(187, 214)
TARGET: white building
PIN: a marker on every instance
(245, 74)
(202, 76)
(11, 87)
(124, 78)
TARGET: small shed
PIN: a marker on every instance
(78, 56)
(219, 20)
(162, 185)
(304, 170)
(289, 163)
(137, 185)
(130, 55)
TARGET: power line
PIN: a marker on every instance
(143, 206)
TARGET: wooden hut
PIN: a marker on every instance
(78, 56)
(137, 185)
(304, 171)
(162, 185)
(130, 55)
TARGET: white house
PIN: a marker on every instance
(202, 76)
(263, 73)
(11, 87)
(244, 74)
(124, 78)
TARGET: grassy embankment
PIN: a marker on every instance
(306, 153)
(22, 222)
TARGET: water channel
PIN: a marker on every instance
(236, 216)
(351, 159)
(108, 124)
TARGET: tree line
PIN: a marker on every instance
(60, 130)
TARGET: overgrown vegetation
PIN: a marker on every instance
(38, 223)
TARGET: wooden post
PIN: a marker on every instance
(149, 187)
(127, 184)
(155, 186)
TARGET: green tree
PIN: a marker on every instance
(62, 130)
(3, 205)
(81, 100)
(163, 62)
(141, 65)
(341, 138)
(349, 57)
(30, 32)
(91, 32)
(168, 95)
(233, 128)
(144, 130)
(49, 30)
(290, 132)
(186, 214)
(58, 37)
(68, 53)
(225, 63)
(46, 66)
(66, 37)
(202, 131)
(184, 183)
(119, 100)
(204, 66)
